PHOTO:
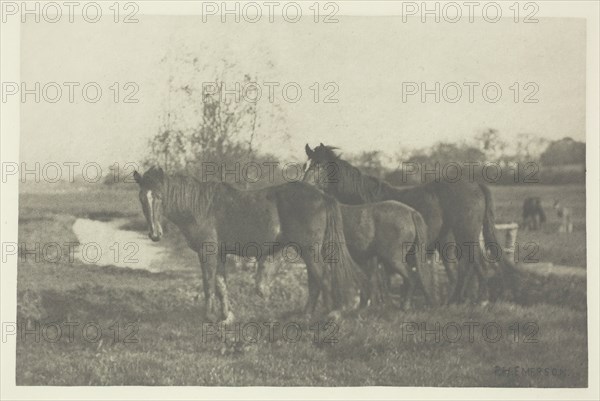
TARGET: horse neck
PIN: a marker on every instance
(355, 187)
(187, 198)
(386, 191)
(382, 191)
(409, 196)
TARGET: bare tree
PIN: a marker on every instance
(492, 145)
(212, 114)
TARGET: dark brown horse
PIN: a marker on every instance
(455, 212)
(393, 233)
(533, 213)
(217, 219)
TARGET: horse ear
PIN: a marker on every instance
(309, 151)
(159, 172)
(322, 145)
(137, 177)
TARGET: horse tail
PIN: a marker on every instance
(509, 271)
(425, 270)
(344, 272)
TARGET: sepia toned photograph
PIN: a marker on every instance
(299, 199)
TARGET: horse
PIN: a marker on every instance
(393, 233)
(217, 219)
(456, 213)
(533, 213)
(564, 213)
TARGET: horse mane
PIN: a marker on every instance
(184, 193)
(352, 181)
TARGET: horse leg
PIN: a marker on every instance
(468, 271)
(313, 287)
(407, 289)
(461, 278)
(467, 235)
(472, 282)
(484, 293)
(266, 269)
(423, 274)
(382, 282)
(475, 274)
(221, 287)
(448, 251)
(259, 279)
(365, 293)
(377, 289)
(394, 263)
(208, 264)
(448, 256)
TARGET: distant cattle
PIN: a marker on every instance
(566, 225)
(533, 213)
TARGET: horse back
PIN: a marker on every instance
(395, 220)
(379, 224)
(244, 217)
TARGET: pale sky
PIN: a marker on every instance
(368, 58)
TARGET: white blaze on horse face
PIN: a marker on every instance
(309, 172)
(154, 224)
(150, 199)
(307, 165)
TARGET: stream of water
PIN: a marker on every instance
(105, 243)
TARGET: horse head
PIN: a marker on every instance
(151, 195)
(321, 166)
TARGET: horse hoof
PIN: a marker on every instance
(334, 316)
(211, 316)
(306, 315)
(357, 303)
(229, 319)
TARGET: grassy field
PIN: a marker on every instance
(163, 338)
(556, 248)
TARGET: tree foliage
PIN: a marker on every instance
(564, 152)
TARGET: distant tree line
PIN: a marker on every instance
(528, 159)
